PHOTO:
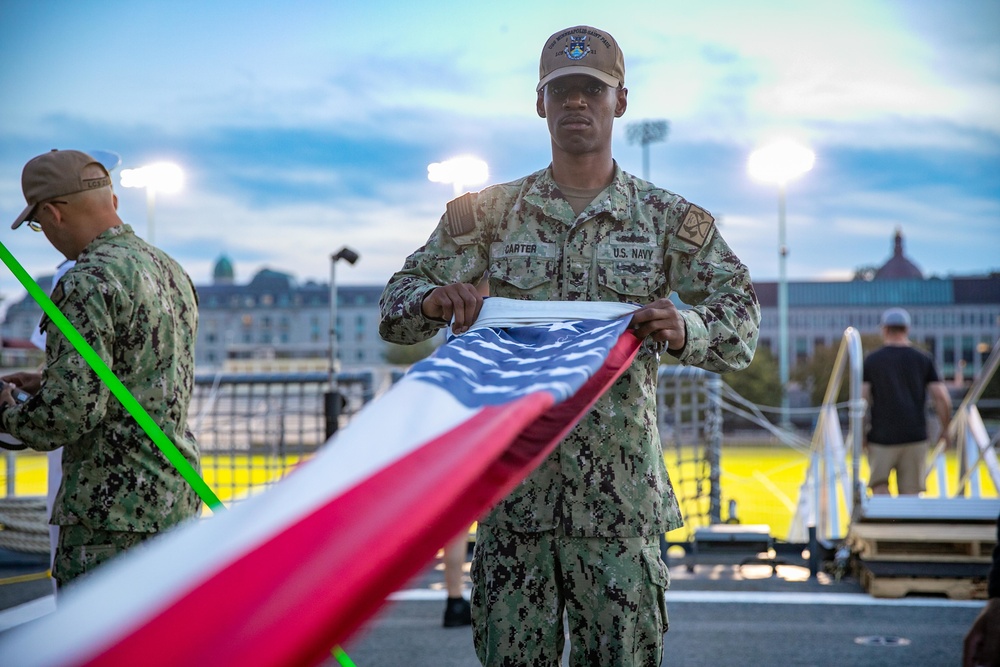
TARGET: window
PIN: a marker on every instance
(948, 350)
(968, 349)
(930, 343)
(983, 348)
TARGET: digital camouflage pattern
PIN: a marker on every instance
(581, 531)
(613, 592)
(138, 309)
(81, 549)
(634, 243)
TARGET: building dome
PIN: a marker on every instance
(898, 266)
(268, 280)
(223, 273)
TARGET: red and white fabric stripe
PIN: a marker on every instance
(287, 574)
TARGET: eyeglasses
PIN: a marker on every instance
(33, 223)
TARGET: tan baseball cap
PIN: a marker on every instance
(55, 174)
(582, 50)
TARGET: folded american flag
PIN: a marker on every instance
(287, 574)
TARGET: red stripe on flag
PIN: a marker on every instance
(306, 589)
(540, 438)
(310, 586)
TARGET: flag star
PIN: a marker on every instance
(562, 326)
(581, 355)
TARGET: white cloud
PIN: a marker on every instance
(298, 237)
(440, 79)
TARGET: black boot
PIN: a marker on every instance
(457, 613)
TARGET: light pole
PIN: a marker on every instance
(647, 132)
(459, 171)
(350, 257)
(332, 399)
(778, 163)
(156, 177)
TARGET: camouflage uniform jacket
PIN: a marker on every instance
(634, 243)
(138, 309)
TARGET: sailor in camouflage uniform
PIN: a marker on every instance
(581, 533)
(137, 308)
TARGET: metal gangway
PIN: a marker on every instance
(830, 489)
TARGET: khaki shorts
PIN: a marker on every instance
(610, 588)
(908, 460)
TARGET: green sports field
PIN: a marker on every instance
(764, 482)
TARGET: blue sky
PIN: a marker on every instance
(306, 126)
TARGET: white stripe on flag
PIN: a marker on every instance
(285, 574)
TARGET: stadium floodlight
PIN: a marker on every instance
(460, 171)
(780, 162)
(156, 177)
(644, 133)
(160, 176)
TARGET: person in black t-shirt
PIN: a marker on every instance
(897, 380)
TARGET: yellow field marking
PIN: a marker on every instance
(20, 579)
(788, 465)
(773, 488)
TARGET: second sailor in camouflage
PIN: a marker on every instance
(137, 308)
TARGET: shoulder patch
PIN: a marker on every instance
(63, 287)
(60, 291)
(696, 225)
(460, 216)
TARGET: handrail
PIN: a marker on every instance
(851, 345)
(818, 501)
(966, 430)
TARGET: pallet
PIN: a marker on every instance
(954, 588)
(913, 508)
(923, 542)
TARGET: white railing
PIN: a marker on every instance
(974, 447)
(827, 485)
